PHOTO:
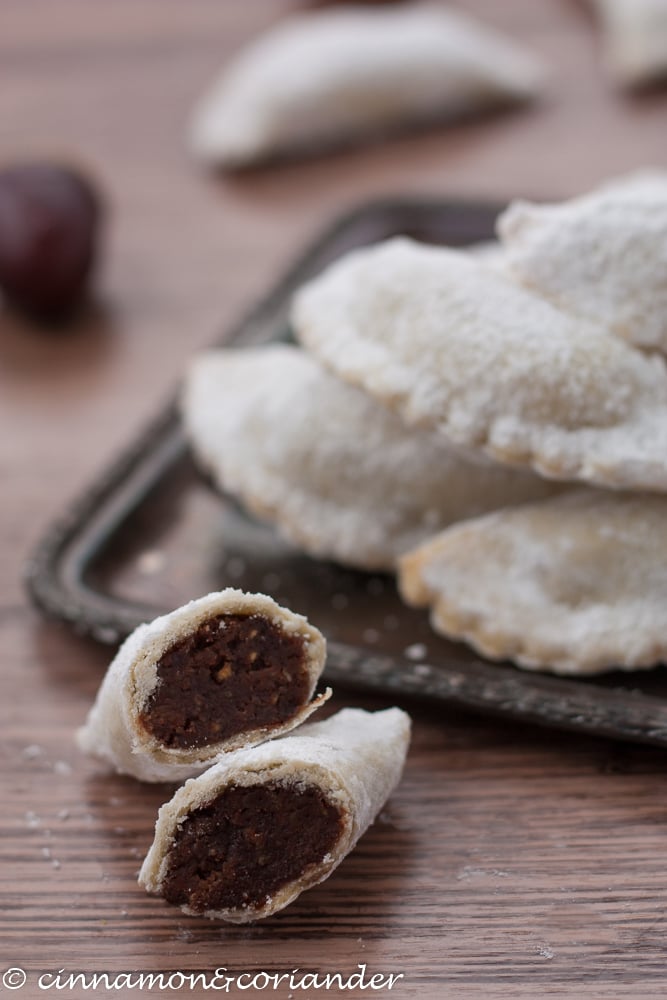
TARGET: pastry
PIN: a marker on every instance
(459, 348)
(225, 671)
(249, 835)
(635, 39)
(575, 584)
(340, 474)
(330, 77)
(602, 256)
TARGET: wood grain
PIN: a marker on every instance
(511, 862)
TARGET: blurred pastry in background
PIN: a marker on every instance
(575, 584)
(602, 256)
(353, 3)
(332, 77)
(635, 40)
(339, 473)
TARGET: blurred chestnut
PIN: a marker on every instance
(49, 221)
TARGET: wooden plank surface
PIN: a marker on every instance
(511, 862)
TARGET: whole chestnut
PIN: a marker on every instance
(49, 221)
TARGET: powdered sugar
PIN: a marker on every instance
(331, 76)
(602, 256)
(455, 347)
(341, 474)
(574, 584)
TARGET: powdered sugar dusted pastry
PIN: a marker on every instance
(341, 474)
(459, 348)
(227, 670)
(575, 585)
(602, 256)
(635, 37)
(247, 837)
(330, 76)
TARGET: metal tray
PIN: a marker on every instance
(151, 534)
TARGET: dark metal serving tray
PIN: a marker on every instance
(150, 534)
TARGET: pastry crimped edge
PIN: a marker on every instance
(596, 455)
(330, 522)
(355, 758)
(491, 635)
(113, 731)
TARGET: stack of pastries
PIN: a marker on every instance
(493, 430)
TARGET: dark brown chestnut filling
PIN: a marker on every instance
(248, 843)
(235, 672)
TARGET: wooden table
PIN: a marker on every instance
(511, 862)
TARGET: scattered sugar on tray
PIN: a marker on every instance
(32, 751)
(62, 767)
(271, 582)
(423, 669)
(106, 634)
(370, 635)
(339, 602)
(417, 651)
(235, 567)
(391, 623)
(151, 561)
(32, 820)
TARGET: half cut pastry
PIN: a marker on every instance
(342, 475)
(228, 670)
(602, 257)
(247, 837)
(573, 585)
(461, 349)
(635, 40)
(332, 77)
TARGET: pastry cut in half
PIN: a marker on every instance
(341, 475)
(225, 671)
(602, 256)
(572, 585)
(249, 835)
(328, 78)
(458, 348)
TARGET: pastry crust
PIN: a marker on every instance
(355, 759)
(460, 349)
(342, 475)
(572, 585)
(602, 256)
(330, 77)
(114, 731)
